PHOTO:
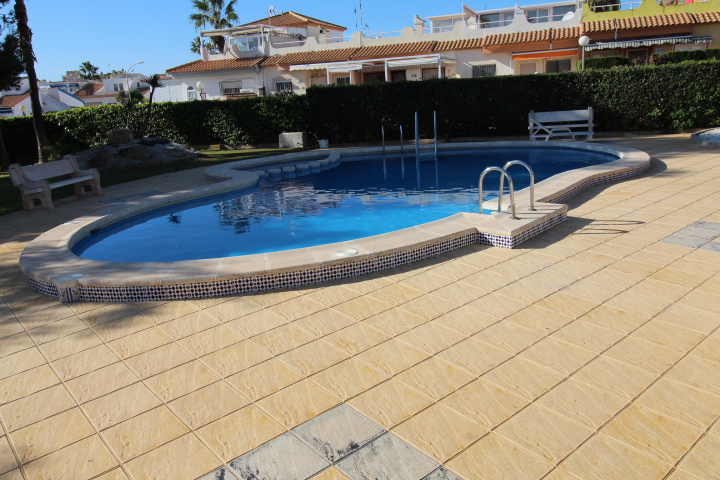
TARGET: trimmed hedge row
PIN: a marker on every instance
(668, 97)
(688, 55)
(604, 62)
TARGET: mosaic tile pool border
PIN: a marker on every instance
(306, 274)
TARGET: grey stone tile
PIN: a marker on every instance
(712, 227)
(219, 474)
(284, 458)
(712, 246)
(339, 432)
(685, 240)
(442, 473)
(387, 458)
(693, 231)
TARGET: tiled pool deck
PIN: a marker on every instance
(590, 352)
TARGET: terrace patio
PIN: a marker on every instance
(592, 351)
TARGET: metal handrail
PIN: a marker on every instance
(532, 180)
(503, 174)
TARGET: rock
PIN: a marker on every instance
(121, 135)
(136, 154)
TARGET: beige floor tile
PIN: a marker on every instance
(181, 380)
(681, 402)
(255, 323)
(312, 357)
(55, 330)
(235, 358)
(51, 434)
(296, 308)
(563, 357)
(653, 434)
(120, 405)
(439, 432)
(333, 295)
(704, 297)
(240, 432)
(7, 457)
(524, 378)
(545, 433)
(643, 305)
(264, 379)
(121, 327)
(114, 474)
(582, 403)
(209, 341)
(394, 322)
(709, 349)
(21, 361)
(474, 356)
(139, 342)
(466, 320)
(393, 356)
(282, 339)
(429, 306)
(362, 307)
(26, 383)
(396, 294)
(668, 335)
(235, 308)
(679, 277)
(101, 382)
(297, 403)
(188, 325)
(331, 473)
(158, 360)
(588, 335)
(568, 305)
(559, 474)
(144, 432)
(485, 403)
(602, 458)
(435, 378)
(619, 320)
(703, 461)
(509, 336)
(539, 319)
(33, 408)
(495, 457)
(325, 322)
(77, 342)
(208, 404)
(348, 378)
(79, 461)
(431, 337)
(697, 372)
(84, 362)
(462, 292)
(426, 281)
(649, 356)
(15, 343)
(191, 459)
(45, 316)
(390, 403)
(686, 315)
(107, 313)
(355, 339)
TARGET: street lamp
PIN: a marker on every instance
(583, 41)
(23, 109)
(129, 98)
(201, 86)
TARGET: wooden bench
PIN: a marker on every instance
(34, 181)
(566, 123)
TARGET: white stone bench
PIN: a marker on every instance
(565, 123)
(36, 181)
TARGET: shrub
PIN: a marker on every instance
(603, 62)
(688, 55)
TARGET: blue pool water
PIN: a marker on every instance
(362, 196)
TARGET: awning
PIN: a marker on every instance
(645, 42)
(565, 52)
(416, 61)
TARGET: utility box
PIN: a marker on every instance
(293, 139)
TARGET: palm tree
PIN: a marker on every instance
(123, 98)
(198, 42)
(216, 14)
(28, 59)
(88, 71)
(154, 82)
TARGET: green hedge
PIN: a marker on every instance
(604, 62)
(667, 97)
(684, 56)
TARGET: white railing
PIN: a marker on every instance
(630, 5)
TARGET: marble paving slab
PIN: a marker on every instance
(698, 235)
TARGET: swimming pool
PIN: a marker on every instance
(364, 195)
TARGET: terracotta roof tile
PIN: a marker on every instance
(292, 18)
(650, 21)
(458, 45)
(12, 100)
(533, 36)
(287, 59)
(393, 50)
(89, 89)
(334, 55)
(224, 64)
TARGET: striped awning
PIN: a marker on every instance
(645, 42)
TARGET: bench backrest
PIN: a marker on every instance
(563, 116)
(43, 171)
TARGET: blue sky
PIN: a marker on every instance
(115, 35)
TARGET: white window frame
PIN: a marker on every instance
(284, 86)
(191, 94)
(342, 80)
(484, 65)
(231, 87)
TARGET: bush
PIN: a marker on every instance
(603, 62)
(689, 55)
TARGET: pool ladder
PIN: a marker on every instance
(503, 174)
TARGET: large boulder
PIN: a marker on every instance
(135, 154)
(120, 136)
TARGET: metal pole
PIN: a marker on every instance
(583, 59)
(382, 130)
(401, 139)
(435, 130)
(417, 138)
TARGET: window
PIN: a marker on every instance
(541, 15)
(342, 80)
(556, 66)
(483, 70)
(192, 95)
(439, 26)
(605, 53)
(496, 20)
(560, 12)
(118, 87)
(374, 77)
(690, 46)
(246, 44)
(398, 76)
(283, 86)
(430, 73)
(638, 57)
(527, 68)
(231, 88)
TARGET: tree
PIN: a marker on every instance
(198, 42)
(9, 78)
(28, 59)
(154, 82)
(88, 71)
(129, 100)
(215, 14)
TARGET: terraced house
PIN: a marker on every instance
(290, 52)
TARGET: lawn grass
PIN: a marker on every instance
(10, 200)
